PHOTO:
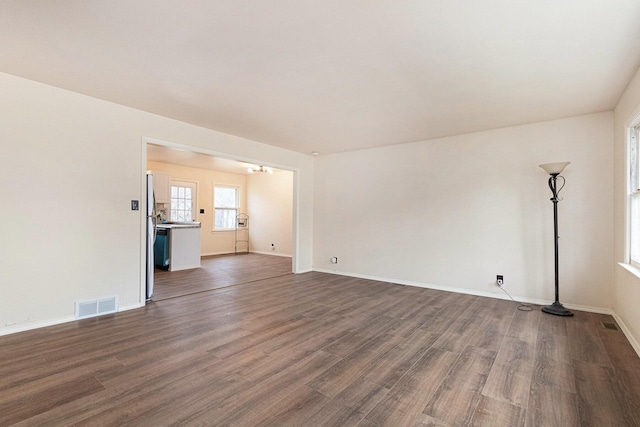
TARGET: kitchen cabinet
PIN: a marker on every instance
(161, 187)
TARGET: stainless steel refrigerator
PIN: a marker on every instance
(151, 235)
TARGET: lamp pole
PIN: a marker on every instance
(556, 308)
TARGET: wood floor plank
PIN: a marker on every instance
(23, 406)
(361, 396)
(496, 316)
(456, 399)
(524, 325)
(467, 324)
(350, 368)
(295, 409)
(510, 377)
(320, 349)
(552, 406)
(370, 329)
(193, 394)
(628, 384)
(597, 393)
(350, 406)
(491, 412)
(254, 404)
(123, 384)
(584, 340)
(335, 414)
(236, 346)
(406, 400)
(425, 420)
(509, 387)
(388, 370)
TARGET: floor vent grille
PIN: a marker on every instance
(609, 325)
(96, 307)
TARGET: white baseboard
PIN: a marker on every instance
(496, 295)
(186, 267)
(271, 253)
(588, 308)
(13, 329)
(22, 327)
(251, 252)
(217, 253)
(130, 307)
(28, 326)
(627, 333)
(600, 310)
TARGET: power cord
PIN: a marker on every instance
(521, 306)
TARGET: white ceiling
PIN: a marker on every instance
(193, 159)
(332, 75)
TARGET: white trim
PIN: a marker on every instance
(627, 333)
(252, 252)
(23, 327)
(216, 253)
(631, 138)
(630, 268)
(600, 310)
(627, 197)
(295, 224)
(130, 307)
(187, 267)
(240, 194)
(14, 329)
(271, 253)
(142, 297)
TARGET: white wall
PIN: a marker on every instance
(627, 283)
(270, 209)
(70, 167)
(454, 212)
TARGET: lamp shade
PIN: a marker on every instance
(554, 168)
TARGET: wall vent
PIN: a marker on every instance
(96, 307)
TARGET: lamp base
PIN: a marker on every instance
(557, 309)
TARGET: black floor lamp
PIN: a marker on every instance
(555, 169)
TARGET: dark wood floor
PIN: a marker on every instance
(318, 349)
(218, 272)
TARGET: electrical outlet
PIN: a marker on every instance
(499, 280)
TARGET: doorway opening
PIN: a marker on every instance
(267, 198)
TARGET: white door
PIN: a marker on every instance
(183, 201)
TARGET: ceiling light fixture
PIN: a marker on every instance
(260, 168)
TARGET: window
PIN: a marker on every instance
(634, 195)
(183, 201)
(225, 206)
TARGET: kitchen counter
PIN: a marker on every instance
(169, 225)
(184, 245)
